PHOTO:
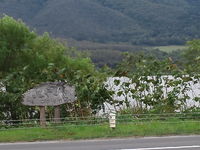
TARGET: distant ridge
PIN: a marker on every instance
(141, 22)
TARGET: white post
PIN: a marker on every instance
(112, 120)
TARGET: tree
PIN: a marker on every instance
(192, 57)
(27, 59)
(15, 36)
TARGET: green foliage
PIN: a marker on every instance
(192, 56)
(34, 59)
(92, 92)
(157, 86)
(14, 38)
(28, 59)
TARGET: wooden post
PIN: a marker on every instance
(42, 116)
(57, 114)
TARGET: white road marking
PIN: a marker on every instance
(161, 148)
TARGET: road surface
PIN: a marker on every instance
(149, 143)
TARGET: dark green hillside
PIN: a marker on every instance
(24, 9)
(141, 22)
(84, 20)
(166, 20)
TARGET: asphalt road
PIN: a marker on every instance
(150, 143)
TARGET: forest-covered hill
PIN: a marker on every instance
(141, 22)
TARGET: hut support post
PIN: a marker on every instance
(42, 116)
(57, 114)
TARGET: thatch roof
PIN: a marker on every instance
(49, 94)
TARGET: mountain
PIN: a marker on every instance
(140, 22)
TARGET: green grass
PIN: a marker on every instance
(170, 48)
(66, 132)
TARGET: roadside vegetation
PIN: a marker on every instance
(28, 59)
(69, 132)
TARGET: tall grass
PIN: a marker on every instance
(129, 129)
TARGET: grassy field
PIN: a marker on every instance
(66, 132)
(170, 48)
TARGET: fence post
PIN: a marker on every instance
(112, 120)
